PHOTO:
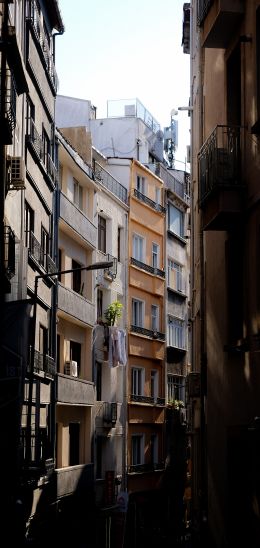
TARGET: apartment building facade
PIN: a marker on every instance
(28, 183)
(225, 270)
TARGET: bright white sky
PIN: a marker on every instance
(116, 49)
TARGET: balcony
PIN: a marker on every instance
(118, 108)
(77, 220)
(74, 391)
(219, 19)
(75, 306)
(109, 182)
(146, 399)
(144, 468)
(43, 364)
(78, 478)
(148, 332)
(220, 186)
(9, 118)
(147, 267)
(148, 201)
(40, 463)
(9, 252)
(34, 18)
(39, 255)
(47, 164)
(181, 189)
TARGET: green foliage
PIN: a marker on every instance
(176, 404)
(113, 312)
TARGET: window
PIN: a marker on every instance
(28, 223)
(137, 449)
(76, 277)
(137, 313)
(99, 304)
(102, 234)
(174, 275)
(176, 333)
(137, 381)
(46, 147)
(154, 449)
(77, 194)
(119, 244)
(138, 248)
(155, 255)
(74, 432)
(154, 384)
(30, 114)
(43, 340)
(158, 195)
(154, 317)
(140, 184)
(75, 354)
(99, 381)
(176, 220)
(44, 247)
(175, 387)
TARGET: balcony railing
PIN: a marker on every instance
(42, 363)
(179, 188)
(9, 250)
(10, 107)
(147, 267)
(110, 183)
(203, 7)
(219, 161)
(148, 201)
(34, 17)
(147, 399)
(109, 413)
(148, 332)
(149, 467)
(38, 254)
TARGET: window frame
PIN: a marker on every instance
(178, 231)
(137, 380)
(140, 312)
(155, 318)
(138, 247)
(137, 449)
(102, 234)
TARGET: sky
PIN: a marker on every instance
(116, 49)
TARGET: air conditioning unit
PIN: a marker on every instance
(71, 368)
(16, 173)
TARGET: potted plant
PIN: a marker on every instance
(113, 312)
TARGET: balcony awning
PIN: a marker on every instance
(15, 62)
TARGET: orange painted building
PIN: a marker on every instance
(146, 330)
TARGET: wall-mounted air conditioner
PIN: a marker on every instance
(16, 180)
(71, 368)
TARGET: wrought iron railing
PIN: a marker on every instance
(149, 467)
(35, 139)
(148, 201)
(142, 399)
(147, 267)
(219, 160)
(34, 17)
(10, 100)
(108, 181)
(148, 332)
(179, 188)
(38, 254)
(41, 363)
(109, 412)
(9, 251)
(203, 7)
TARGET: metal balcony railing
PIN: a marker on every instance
(110, 183)
(109, 412)
(42, 363)
(149, 467)
(35, 139)
(181, 189)
(142, 399)
(10, 101)
(38, 254)
(148, 332)
(219, 161)
(132, 108)
(147, 267)
(9, 250)
(34, 17)
(148, 201)
(203, 7)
